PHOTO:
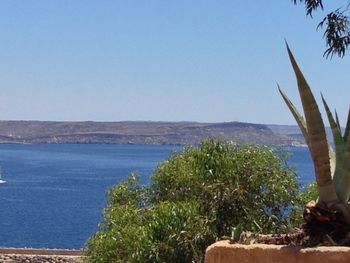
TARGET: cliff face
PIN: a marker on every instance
(139, 132)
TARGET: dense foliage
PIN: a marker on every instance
(195, 198)
(336, 23)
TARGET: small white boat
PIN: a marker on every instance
(1, 180)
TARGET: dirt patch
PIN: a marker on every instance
(308, 235)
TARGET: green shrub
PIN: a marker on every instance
(194, 198)
(248, 185)
(176, 233)
(121, 234)
(167, 232)
(307, 194)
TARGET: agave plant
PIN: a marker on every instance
(332, 167)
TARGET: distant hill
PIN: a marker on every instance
(294, 132)
(140, 132)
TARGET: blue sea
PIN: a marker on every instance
(54, 193)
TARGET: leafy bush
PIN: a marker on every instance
(194, 198)
(309, 193)
(122, 231)
(233, 185)
(306, 195)
(176, 233)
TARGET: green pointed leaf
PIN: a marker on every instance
(347, 128)
(344, 188)
(344, 184)
(341, 175)
(332, 160)
(338, 139)
(317, 136)
(302, 125)
(297, 116)
(337, 120)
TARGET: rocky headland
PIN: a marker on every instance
(144, 132)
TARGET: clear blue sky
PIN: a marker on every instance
(182, 60)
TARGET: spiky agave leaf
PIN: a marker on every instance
(347, 128)
(336, 131)
(345, 207)
(337, 119)
(341, 177)
(318, 144)
(339, 128)
(297, 116)
(302, 125)
(346, 164)
(344, 184)
(332, 154)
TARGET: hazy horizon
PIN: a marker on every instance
(155, 121)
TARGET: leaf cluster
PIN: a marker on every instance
(232, 183)
(194, 198)
(310, 5)
(336, 24)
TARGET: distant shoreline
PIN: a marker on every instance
(179, 145)
(148, 133)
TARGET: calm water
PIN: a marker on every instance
(55, 193)
(301, 160)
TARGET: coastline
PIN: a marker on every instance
(148, 133)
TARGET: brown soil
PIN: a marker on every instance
(323, 227)
(309, 235)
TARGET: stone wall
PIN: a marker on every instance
(224, 252)
(14, 258)
(27, 255)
